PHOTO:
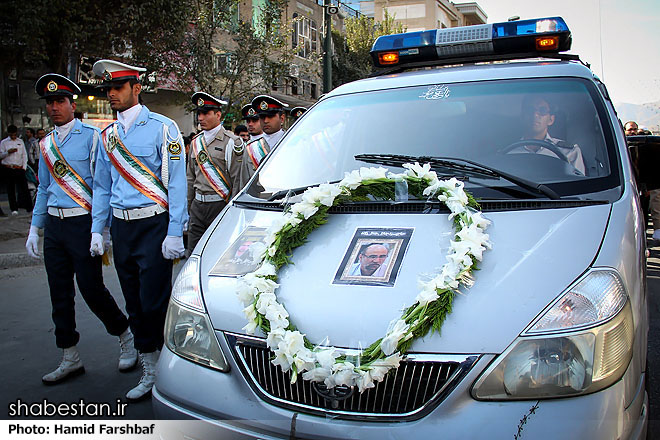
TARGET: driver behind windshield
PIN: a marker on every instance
(537, 116)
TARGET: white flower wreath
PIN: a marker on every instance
(292, 350)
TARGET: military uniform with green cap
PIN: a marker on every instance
(215, 169)
(63, 210)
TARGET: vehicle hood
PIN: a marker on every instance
(535, 256)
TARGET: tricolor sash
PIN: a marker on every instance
(257, 150)
(72, 184)
(215, 177)
(130, 168)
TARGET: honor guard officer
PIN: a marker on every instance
(63, 209)
(215, 169)
(140, 180)
(252, 121)
(271, 116)
(297, 112)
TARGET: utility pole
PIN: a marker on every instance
(327, 45)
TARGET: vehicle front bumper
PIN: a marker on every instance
(225, 406)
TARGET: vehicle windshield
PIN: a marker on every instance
(547, 131)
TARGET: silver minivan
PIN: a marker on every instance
(451, 248)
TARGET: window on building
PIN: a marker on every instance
(313, 92)
(304, 36)
(294, 86)
(225, 62)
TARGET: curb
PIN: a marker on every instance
(13, 260)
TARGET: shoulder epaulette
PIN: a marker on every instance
(90, 127)
(164, 119)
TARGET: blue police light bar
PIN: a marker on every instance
(524, 37)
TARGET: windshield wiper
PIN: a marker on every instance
(464, 165)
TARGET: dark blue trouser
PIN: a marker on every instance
(66, 252)
(145, 276)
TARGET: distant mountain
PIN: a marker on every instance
(646, 115)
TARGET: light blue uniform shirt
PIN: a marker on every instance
(144, 140)
(76, 148)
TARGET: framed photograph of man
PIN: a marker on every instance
(373, 257)
(238, 259)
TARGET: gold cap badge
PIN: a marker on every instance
(52, 86)
(107, 76)
(263, 105)
(200, 102)
(251, 112)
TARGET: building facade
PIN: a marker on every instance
(420, 15)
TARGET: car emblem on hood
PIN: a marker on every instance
(334, 395)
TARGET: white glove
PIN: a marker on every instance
(32, 243)
(173, 247)
(106, 239)
(96, 246)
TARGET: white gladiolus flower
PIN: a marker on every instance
(390, 361)
(250, 313)
(275, 336)
(455, 207)
(246, 292)
(257, 251)
(326, 357)
(250, 328)
(428, 295)
(305, 360)
(378, 373)
(269, 239)
(351, 180)
(318, 374)
(262, 284)
(277, 315)
(478, 219)
(283, 359)
(271, 251)
(344, 374)
(473, 237)
(421, 171)
(306, 209)
(292, 343)
(324, 194)
(394, 334)
(275, 226)
(373, 173)
(293, 220)
(266, 269)
(364, 380)
(265, 301)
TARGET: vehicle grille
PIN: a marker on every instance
(420, 383)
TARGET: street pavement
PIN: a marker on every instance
(28, 343)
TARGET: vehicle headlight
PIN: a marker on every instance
(188, 330)
(580, 344)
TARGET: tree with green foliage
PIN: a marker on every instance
(49, 33)
(228, 57)
(179, 39)
(352, 59)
